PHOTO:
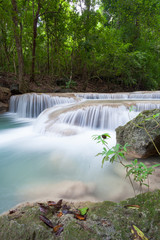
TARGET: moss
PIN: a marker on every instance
(106, 220)
(75, 231)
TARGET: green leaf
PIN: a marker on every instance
(146, 184)
(135, 162)
(147, 119)
(137, 207)
(156, 165)
(121, 154)
(137, 233)
(156, 115)
(132, 108)
(83, 211)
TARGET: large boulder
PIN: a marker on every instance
(5, 94)
(142, 134)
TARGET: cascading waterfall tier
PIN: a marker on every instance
(31, 105)
(100, 115)
(108, 113)
(103, 117)
(125, 96)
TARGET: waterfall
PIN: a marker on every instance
(139, 107)
(125, 96)
(62, 157)
(102, 96)
(66, 120)
(102, 117)
(31, 105)
(96, 114)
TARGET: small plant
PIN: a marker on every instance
(70, 83)
(117, 153)
(114, 154)
(140, 172)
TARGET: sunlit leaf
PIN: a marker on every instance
(156, 115)
(132, 206)
(84, 210)
(147, 119)
(137, 233)
(155, 165)
(132, 108)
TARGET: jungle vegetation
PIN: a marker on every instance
(115, 41)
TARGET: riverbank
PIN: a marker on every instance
(105, 220)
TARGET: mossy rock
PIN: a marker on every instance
(140, 133)
(105, 220)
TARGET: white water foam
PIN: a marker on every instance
(31, 105)
(134, 95)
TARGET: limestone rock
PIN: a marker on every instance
(4, 94)
(139, 133)
(4, 99)
(3, 107)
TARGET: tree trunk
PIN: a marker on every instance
(47, 45)
(52, 59)
(35, 21)
(18, 45)
(85, 76)
(4, 43)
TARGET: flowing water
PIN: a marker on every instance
(53, 156)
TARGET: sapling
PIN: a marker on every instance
(117, 153)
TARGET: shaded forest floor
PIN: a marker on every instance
(52, 84)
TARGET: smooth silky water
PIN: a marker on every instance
(38, 164)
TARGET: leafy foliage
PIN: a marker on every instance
(140, 171)
(117, 153)
(116, 41)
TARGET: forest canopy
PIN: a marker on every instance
(115, 41)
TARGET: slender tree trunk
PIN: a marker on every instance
(47, 45)
(35, 21)
(18, 45)
(48, 57)
(85, 67)
(4, 42)
(14, 63)
(52, 59)
(85, 76)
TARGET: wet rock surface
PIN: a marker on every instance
(3, 107)
(4, 99)
(141, 133)
(105, 220)
(4, 94)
